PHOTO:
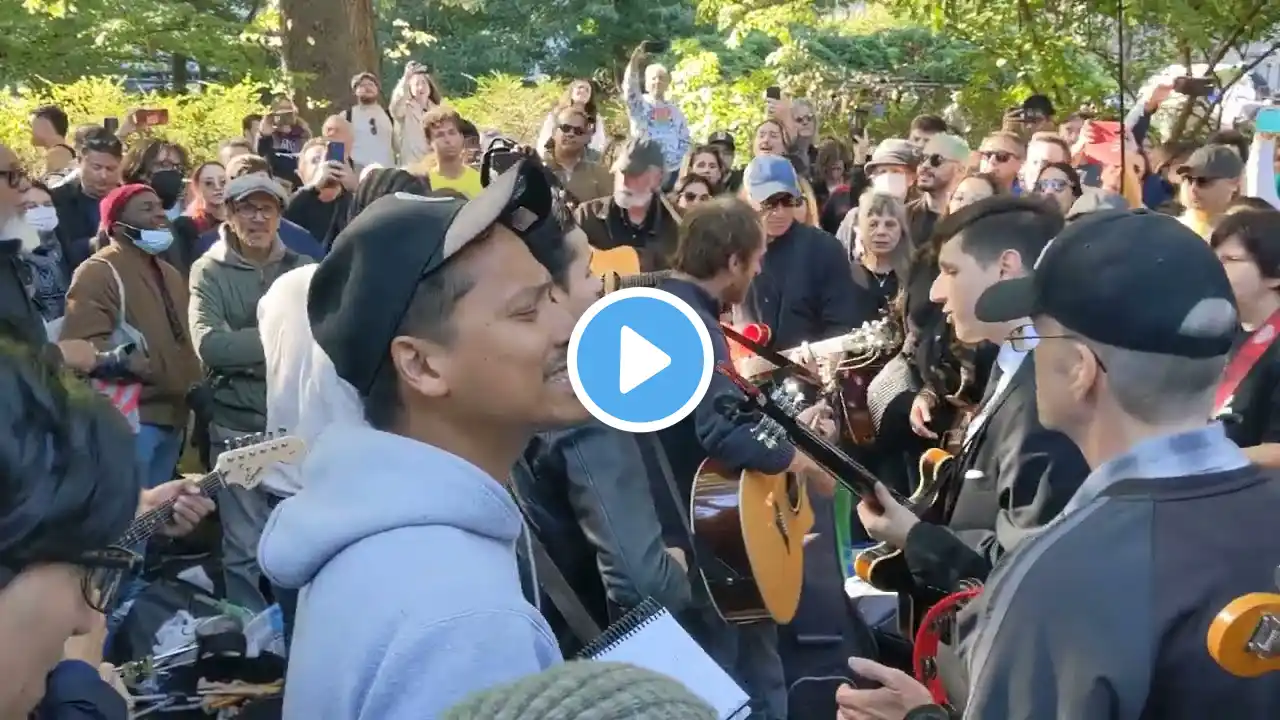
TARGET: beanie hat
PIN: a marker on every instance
(112, 206)
(380, 182)
(586, 690)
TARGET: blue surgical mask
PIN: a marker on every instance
(151, 242)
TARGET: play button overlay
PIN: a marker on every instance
(640, 360)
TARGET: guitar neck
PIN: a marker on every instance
(849, 472)
(145, 525)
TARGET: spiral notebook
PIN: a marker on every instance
(650, 637)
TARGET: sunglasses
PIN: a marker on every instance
(373, 126)
(104, 571)
(694, 196)
(804, 118)
(999, 156)
(573, 130)
(1199, 181)
(1053, 186)
(935, 160)
(785, 202)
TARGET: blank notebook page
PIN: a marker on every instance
(651, 638)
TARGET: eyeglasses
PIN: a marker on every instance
(804, 118)
(935, 160)
(785, 202)
(1024, 338)
(253, 212)
(105, 572)
(14, 176)
(694, 196)
(568, 129)
(999, 156)
(1052, 185)
(373, 126)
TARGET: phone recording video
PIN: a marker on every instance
(1195, 86)
(773, 93)
(151, 118)
(655, 47)
(335, 152)
(111, 124)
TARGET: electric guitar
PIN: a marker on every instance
(1244, 638)
(754, 525)
(883, 565)
(242, 464)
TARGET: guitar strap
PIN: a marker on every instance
(1245, 358)
(551, 580)
(655, 460)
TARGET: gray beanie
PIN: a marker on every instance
(586, 690)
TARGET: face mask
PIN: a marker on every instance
(890, 183)
(43, 218)
(168, 185)
(151, 242)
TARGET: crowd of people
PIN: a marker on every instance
(1084, 319)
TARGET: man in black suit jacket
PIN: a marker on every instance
(1013, 475)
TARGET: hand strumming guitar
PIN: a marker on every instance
(890, 522)
(189, 508)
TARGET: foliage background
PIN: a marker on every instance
(503, 62)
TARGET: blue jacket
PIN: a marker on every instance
(411, 593)
(75, 691)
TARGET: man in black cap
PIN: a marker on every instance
(1210, 181)
(723, 141)
(1103, 615)
(635, 223)
(451, 331)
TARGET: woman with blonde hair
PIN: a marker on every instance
(881, 250)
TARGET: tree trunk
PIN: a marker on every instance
(317, 56)
(364, 44)
(178, 73)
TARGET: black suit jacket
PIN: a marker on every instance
(1013, 477)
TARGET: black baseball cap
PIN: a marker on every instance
(721, 137)
(1128, 278)
(363, 287)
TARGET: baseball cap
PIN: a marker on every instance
(769, 175)
(639, 155)
(1132, 279)
(894, 151)
(1213, 162)
(948, 147)
(362, 288)
(721, 137)
(246, 185)
(362, 76)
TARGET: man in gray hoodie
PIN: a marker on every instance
(404, 537)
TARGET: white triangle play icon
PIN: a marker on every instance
(639, 361)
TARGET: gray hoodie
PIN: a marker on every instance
(411, 595)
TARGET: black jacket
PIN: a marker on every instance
(20, 319)
(1024, 476)
(77, 223)
(805, 290)
(1254, 408)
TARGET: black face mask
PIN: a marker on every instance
(168, 185)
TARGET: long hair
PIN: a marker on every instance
(566, 100)
(196, 206)
(686, 167)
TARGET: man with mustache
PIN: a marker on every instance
(636, 215)
(456, 339)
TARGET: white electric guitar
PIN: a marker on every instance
(871, 338)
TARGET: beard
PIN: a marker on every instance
(629, 199)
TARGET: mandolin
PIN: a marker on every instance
(754, 524)
(1244, 638)
(241, 465)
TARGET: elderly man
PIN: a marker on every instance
(226, 284)
(652, 115)
(635, 223)
(1096, 616)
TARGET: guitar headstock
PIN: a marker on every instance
(789, 397)
(246, 457)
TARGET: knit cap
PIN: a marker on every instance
(586, 690)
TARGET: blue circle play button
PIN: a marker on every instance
(640, 360)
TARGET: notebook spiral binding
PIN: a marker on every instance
(614, 635)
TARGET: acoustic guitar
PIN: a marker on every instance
(754, 525)
(622, 260)
(883, 565)
(1244, 638)
(242, 465)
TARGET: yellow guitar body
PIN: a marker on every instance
(871, 565)
(620, 261)
(1244, 639)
